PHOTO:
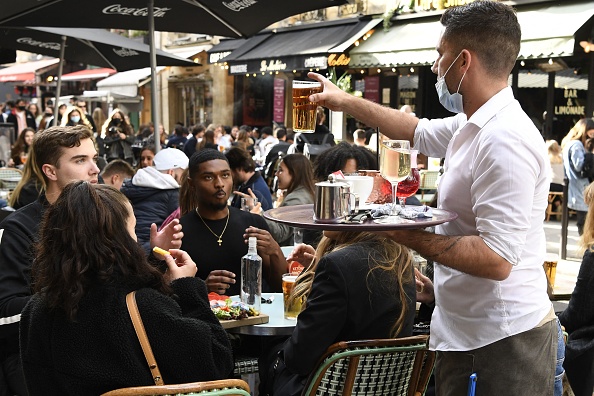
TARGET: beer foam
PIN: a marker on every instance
(306, 84)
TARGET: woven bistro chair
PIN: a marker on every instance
(227, 387)
(400, 366)
(428, 182)
(10, 177)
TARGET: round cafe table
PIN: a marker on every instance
(277, 324)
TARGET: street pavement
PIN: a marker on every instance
(553, 233)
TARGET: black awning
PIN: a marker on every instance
(297, 48)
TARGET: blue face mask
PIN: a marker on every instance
(75, 119)
(452, 102)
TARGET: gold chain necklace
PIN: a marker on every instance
(219, 240)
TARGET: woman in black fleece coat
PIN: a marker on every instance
(76, 334)
(578, 317)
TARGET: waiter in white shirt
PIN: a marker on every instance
(492, 314)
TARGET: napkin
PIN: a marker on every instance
(408, 212)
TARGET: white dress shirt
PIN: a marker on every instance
(496, 179)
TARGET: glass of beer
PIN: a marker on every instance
(304, 111)
(292, 308)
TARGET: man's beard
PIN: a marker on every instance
(214, 206)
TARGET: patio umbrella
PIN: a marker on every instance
(229, 18)
(95, 47)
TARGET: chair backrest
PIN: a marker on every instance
(428, 180)
(10, 177)
(373, 367)
(228, 387)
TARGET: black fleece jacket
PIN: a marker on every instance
(100, 352)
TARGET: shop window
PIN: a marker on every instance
(195, 103)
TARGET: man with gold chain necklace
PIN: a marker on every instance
(215, 234)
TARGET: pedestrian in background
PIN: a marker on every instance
(573, 145)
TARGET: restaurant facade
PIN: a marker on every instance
(387, 59)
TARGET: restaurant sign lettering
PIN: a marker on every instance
(238, 69)
(572, 106)
(315, 62)
(273, 65)
(215, 57)
(338, 60)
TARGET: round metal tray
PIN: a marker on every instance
(301, 216)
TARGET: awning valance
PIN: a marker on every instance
(547, 31)
(25, 71)
(88, 74)
(126, 83)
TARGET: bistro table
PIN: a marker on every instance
(277, 324)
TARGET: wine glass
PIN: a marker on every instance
(394, 167)
(409, 186)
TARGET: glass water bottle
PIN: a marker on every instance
(251, 276)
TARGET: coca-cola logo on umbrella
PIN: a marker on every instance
(41, 44)
(238, 5)
(124, 52)
(118, 9)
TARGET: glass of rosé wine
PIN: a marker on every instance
(409, 186)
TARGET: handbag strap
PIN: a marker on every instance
(142, 337)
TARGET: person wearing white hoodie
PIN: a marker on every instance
(154, 191)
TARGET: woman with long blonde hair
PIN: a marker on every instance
(577, 317)
(31, 185)
(359, 285)
(573, 145)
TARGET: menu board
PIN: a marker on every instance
(279, 101)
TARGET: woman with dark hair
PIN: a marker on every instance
(208, 141)
(147, 155)
(343, 157)
(356, 286)
(244, 141)
(76, 333)
(295, 176)
(20, 149)
(118, 137)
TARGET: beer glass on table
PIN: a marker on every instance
(394, 167)
(304, 111)
(292, 305)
